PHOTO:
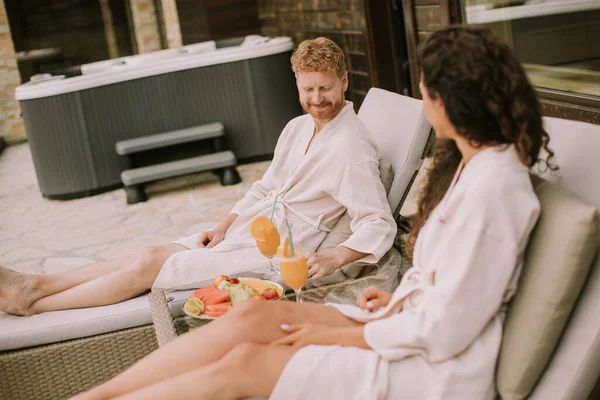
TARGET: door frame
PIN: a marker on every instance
(387, 46)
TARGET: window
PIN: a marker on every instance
(558, 41)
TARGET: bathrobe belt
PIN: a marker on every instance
(282, 207)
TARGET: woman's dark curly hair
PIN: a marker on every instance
(487, 98)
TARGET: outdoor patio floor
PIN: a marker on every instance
(43, 236)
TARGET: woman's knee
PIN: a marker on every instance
(242, 355)
(247, 311)
(255, 315)
(253, 310)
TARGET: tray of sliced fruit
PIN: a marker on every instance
(224, 293)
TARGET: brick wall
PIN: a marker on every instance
(76, 26)
(203, 20)
(145, 26)
(109, 30)
(120, 20)
(169, 21)
(193, 21)
(116, 27)
(232, 18)
(340, 20)
(11, 124)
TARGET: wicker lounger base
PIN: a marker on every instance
(61, 370)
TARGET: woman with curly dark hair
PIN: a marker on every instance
(438, 335)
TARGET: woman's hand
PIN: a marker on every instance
(306, 334)
(373, 298)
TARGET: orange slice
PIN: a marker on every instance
(260, 285)
(260, 228)
(286, 247)
(272, 236)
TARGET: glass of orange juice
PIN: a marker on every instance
(294, 271)
(266, 235)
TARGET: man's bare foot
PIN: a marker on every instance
(17, 292)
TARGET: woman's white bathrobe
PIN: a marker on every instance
(440, 335)
(339, 172)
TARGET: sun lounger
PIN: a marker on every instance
(551, 343)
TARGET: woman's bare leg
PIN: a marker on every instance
(256, 322)
(94, 285)
(247, 370)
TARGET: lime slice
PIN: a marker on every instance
(193, 306)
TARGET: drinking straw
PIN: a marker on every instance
(275, 202)
(290, 245)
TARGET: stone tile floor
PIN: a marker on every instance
(43, 236)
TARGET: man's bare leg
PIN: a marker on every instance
(246, 371)
(250, 322)
(26, 294)
(19, 291)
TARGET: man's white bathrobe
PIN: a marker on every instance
(339, 172)
(440, 335)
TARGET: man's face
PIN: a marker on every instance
(322, 93)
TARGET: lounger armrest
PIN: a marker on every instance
(164, 323)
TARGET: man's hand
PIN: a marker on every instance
(306, 334)
(326, 262)
(323, 263)
(210, 239)
(373, 298)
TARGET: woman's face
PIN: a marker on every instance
(435, 112)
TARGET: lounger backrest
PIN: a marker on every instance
(574, 368)
(400, 130)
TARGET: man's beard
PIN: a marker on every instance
(327, 112)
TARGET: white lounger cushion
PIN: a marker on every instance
(57, 326)
(400, 130)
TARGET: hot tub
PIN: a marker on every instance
(73, 123)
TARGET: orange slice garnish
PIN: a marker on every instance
(262, 227)
(260, 285)
(285, 247)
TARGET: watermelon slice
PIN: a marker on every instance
(216, 310)
(221, 296)
(204, 292)
(211, 295)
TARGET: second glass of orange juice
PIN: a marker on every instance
(266, 235)
(294, 271)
